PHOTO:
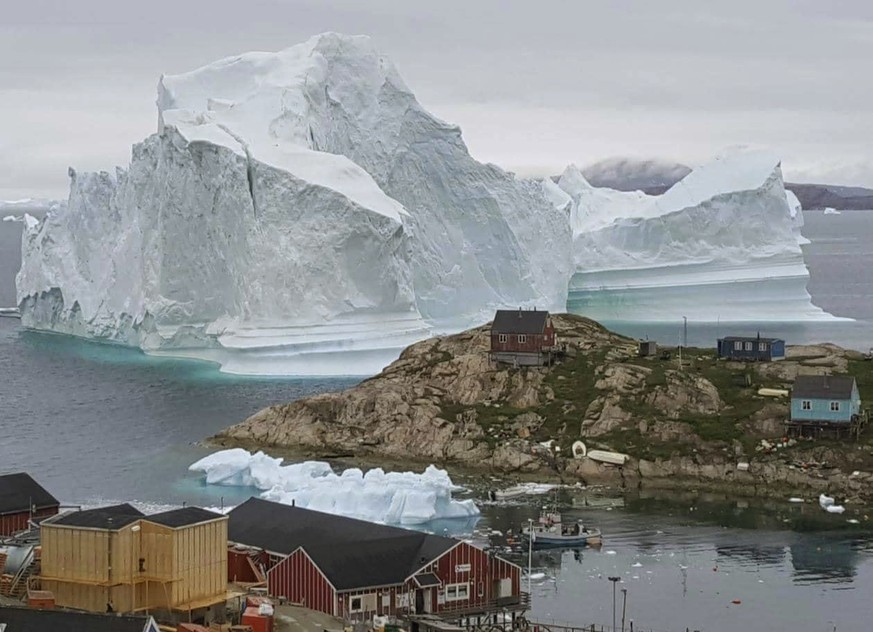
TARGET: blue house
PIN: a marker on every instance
(751, 348)
(825, 399)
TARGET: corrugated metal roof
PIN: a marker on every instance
(823, 387)
(19, 491)
(519, 321)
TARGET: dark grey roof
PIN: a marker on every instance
(517, 321)
(823, 386)
(19, 491)
(183, 517)
(427, 579)
(112, 518)
(21, 619)
(351, 553)
(750, 339)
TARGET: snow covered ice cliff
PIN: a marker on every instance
(723, 243)
(299, 212)
(293, 208)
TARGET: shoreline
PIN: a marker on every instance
(697, 422)
(636, 477)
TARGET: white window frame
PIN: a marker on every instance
(749, 346)
(522, 339)
(501, 338)
(762, 346)
(360, 607)
(835, 407)
(805, 404)
(458, 592)
(738, 346)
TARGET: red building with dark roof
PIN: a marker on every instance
(23, 499)
(522, 337)
(355, 569)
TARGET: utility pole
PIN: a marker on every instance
(623, 606)
(530, 537)
(614, 581)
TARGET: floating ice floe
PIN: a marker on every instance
(853, 521)
(536, 576)
(837, 509)
(795, 500)
(376, 495)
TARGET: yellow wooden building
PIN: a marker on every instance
(116, 557)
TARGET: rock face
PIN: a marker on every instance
(441, 400)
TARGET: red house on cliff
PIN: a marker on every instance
(522, 337)
(355, 569)
(23, 499)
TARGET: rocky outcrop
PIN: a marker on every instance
(445, 401)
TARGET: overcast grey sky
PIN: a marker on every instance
(534, 85)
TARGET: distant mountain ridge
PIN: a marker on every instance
(655, 176)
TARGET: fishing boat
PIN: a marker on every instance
(551, 531)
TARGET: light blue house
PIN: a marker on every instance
(828, 399)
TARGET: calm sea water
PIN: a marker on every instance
(98, 423)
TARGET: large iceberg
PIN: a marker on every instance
(388, 497)
(299, 212)
(721, 244)
(292, 208)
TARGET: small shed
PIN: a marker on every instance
(648, 348)
(522, 337)
(751, 348)
(23, 499)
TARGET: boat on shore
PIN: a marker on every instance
(551, 531)
(517, 491)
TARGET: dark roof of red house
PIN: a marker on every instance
(519, 321)
(823, 386)
(351, 553)
(19, 492)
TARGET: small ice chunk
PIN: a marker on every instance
(536, 576)
(610, 552)
(853, 521)
(825, 501)
(795, 500)
(837, 509)
(637, 565)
